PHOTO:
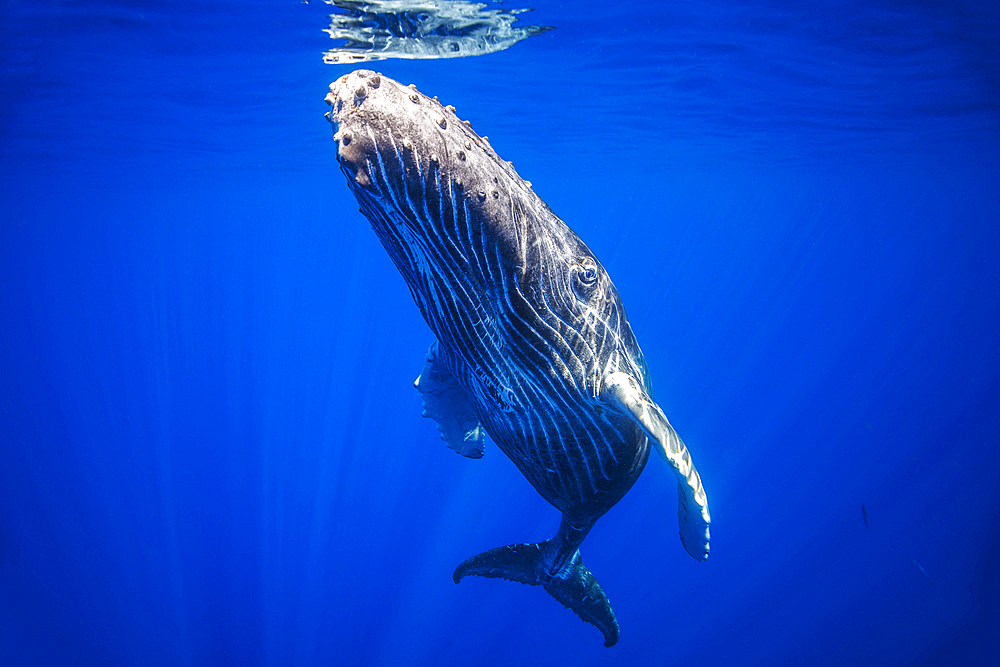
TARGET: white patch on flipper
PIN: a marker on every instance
(624, 393)
(447, 404)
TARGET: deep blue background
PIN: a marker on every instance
(210, 450)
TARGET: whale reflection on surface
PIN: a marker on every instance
(421, 29)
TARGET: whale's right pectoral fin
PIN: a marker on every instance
(447, 404)
(624, 393)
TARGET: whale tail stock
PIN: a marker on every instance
(556, 566)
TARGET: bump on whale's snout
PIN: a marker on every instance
(350, 91)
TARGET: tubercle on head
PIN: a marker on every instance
(356, 95)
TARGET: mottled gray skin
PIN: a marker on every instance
(528, 325)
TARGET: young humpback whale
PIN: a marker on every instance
(532, 344)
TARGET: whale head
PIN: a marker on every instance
(471, 237)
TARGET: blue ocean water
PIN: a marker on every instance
(210, 449)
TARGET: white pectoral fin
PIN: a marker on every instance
(447, 404)
(624, 393)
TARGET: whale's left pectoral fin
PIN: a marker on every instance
(447, 404)
(624, 393)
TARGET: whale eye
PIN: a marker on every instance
(585, 279)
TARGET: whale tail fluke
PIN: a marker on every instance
(572, 584)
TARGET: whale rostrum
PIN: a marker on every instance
(532, 345)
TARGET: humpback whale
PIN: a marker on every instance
(532, 345)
